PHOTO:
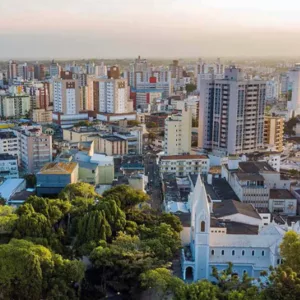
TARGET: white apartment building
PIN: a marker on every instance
(54, 69)
(66, 95)
(231, 113)
(282, 202)
(294, 79)
(8, 166)
(110, 95)
(183, 165)
(14, 106)
(272, 89)
(178, 133)
(9, 143)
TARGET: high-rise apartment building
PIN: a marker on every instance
(66, 94)
(294, 79)
(231, 113)
(36, 149)
(208, 71)
(274, 129)
(22, 71)
(14, 106)
(12, 70)
(101, 70)
(54, 69)
(178, 133)
(110, 95)
(39, 71)
(176, 70)
(9, 143)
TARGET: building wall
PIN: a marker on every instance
(14, 106)
(111, 148)
(41, 116)
(106, 174)
(274, 130)
(9, 168)
(284, 206)
(87, 175)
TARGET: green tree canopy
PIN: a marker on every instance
(29, 271)
(79, 189)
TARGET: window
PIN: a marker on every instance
(253, 252)
(263, 253)
(243, 252)
(233, 252)
(212, 252)
(278, 261)
(202, 226)
(245, 272)
(222, 252)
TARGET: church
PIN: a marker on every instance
(212, 245)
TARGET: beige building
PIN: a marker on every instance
(14, 106)
(113, 145)
(41, 116)
(178, 133)
(273, 135)
(36, 149)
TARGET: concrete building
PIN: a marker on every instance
(283, 202)
(41, 116)
(182, 165)
(176, 70)
(113, 145)
(231, 113)
(273, 132)
(54, 69)
(9, 143)
(178, 133)
(53, 177)
(294, 79)
(14, 106)
(66, 94)
(157, 118)
(12, 70)
(110, 95)
(35, 149)
(145, 98)
(8, 166)
(252, 181)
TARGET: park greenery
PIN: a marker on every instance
(84, 246)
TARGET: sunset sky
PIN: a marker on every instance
(152, 28)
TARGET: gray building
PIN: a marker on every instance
(231, 113)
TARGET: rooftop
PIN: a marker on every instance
(255, 167)
(231, 207)
(58, 168)
(249, 176)
(8, 187)
(281, 194)
(112, 138)
(185, 156)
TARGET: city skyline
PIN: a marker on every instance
(157, 29)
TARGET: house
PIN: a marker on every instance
(283, 202)
(54, 177)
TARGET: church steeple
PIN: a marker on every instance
(200, 230)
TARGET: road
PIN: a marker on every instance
(152, 170)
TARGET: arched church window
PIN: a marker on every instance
(222, 252)
(212, 252)
(253, 252)
(202, 226)
(263, 253)
(243, 252)
(233, 252)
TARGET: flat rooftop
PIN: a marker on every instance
(281, 194)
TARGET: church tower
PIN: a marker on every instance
(200, 231)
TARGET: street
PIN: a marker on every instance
(152, 171)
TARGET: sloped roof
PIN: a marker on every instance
(232, 207)
(255, 167)
(58, 168)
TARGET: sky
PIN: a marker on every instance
(150, 28)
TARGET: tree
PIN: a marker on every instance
(2, 201)
(283, 283)
(151, 136)
(190, 87)
(30, 180)
(8, 219)
(125, 196)
(151, 125)
(29, 271)
(289, 250)
(133, 122)
(79, 189)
